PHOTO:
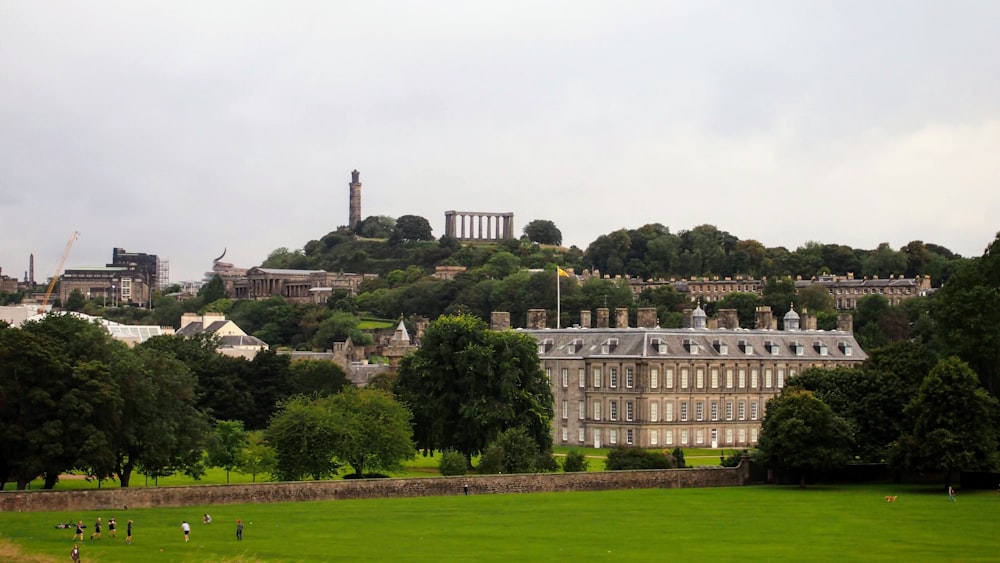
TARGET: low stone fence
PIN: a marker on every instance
(150, 497)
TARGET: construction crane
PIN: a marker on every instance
(59, 267)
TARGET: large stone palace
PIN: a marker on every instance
(689, 387)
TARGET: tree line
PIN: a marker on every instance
(925, 403)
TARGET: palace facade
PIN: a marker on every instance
(663, 388)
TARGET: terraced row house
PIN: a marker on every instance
(689, 387)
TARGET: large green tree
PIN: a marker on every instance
(467, 384)
(543, 231)
(412, 227)
(304, 439)
(372, 429)
(226, 444)
(801, 434)
(953, 423)
(967, 312)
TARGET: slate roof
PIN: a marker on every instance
(686, 344)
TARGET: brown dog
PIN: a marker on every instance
(890, 498)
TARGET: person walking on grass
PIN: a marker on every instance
(951, 494)
(128, 533)
(79, 531)
(186, 528)
(239, 530)
(97, 529)
(74, 553)
(112, 525)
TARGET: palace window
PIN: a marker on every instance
(629, 377)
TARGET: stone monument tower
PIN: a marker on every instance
(354, 216)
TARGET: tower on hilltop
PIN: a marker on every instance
(354, 215)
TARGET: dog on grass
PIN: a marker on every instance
(890, 498)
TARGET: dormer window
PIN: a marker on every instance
(846, 348)
(691, 345)
(798, 349)
(609, 345)
(659, 345)
(574, 346)
(821, 348)
(772, 347)
(545, 345)
(746, 347)
(721, 347)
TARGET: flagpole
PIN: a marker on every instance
(558, 299)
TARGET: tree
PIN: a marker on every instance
(376, 226)
(745, 304)
(304, 438)
(372, 430)
(467, 384)
(317, 377)
(967, 312)
(159, 429)
(226, 444)
(543, 231)
(212, 291)
(953, 428)
(513, 451)
(452, 463)
(412, 227)
(257, 456)
(814, 298)
(76, 301)
(801, 434)
(575, 461)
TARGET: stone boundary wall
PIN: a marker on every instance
(151, 497)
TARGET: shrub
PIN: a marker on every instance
(452, 463)
(546, 463)
(513, 451)
(733, 459)
(678, 456)
(575, 462)
(633, 457)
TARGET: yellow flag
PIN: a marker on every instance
(562, 273)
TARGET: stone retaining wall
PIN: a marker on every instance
(150, 497)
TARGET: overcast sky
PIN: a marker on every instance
(183, 128)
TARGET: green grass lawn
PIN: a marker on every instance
(762, 523)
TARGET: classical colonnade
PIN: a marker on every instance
(478, 225)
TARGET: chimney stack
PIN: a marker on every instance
(602, 317)
(499, 320)
(729, 319)
(646, 318)
(585, 319)
(763, 318)
(845, 322)
(537, 319)
(621, 317)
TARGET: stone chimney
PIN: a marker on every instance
(712, 324)
(621, 317)
(646, 318)
(763, 317)
(537, 319)
(602, 317)
(729, 319)
(585, 321)
(499, 320)
(845, 322)
(808, 320)
(686, 318)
